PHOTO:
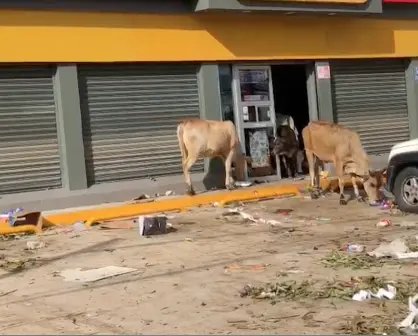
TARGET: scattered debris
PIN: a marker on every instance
(396, 249)
(409, 325)
(189, 239)
(152, 225)
(293, 290)
(322, 219)
(118, 225)
(369, 325)
(34, 245)
(284, 212)
(388, 293)
(79, 227)
(243, 184)
(286, 273)
(354, 248)
(337, 259)
(384, 222)
(18, 264)
(408, 224)
(169, 193)
(77, 275)
(259, 267)
(251, 218)
(383, 204)
(10, 216)
(144, 198)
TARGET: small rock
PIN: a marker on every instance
(245, 291)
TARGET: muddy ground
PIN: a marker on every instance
(182, 285)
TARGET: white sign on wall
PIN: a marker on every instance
(323, 72)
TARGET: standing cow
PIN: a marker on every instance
(338, 145)
(286, 147)
(209, 139)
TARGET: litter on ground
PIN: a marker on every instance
(79, 275)
(278, 266)
(388, 293)
(409, 325)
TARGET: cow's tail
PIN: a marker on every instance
(183, 149)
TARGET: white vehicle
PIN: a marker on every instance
(402, 175)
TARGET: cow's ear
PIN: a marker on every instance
(372, 173)
(381, 171)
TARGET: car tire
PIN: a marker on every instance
(403, 175)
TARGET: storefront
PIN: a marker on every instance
(29, 148)
(370, 97)
(130, 113)
(256, 96)
(135, 74)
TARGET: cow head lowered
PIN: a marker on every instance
(372, 183)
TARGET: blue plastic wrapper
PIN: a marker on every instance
(11, 215)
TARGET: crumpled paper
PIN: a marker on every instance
(409, 325)
(388, 293)
(390, 250)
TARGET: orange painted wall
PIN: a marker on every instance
(36, 36)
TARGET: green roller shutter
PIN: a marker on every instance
(130, 115)
(29, 150)
(370, 97)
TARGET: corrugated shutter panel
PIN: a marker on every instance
(29, 150)
(130, 116)
(370, 98)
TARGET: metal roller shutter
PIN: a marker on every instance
(29, 150)
(370, 98)
(130, 116)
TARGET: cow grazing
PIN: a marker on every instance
(209, 139)
(338, 145)
(286, 147)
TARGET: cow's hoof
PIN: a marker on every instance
(190, 192)
(361, 199)
(314, 195)
(343, 202)
(230, 186)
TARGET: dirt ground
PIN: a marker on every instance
(181, 285)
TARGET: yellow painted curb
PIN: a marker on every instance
(180, 203)
(101, 213)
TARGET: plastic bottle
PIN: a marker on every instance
(354, 248)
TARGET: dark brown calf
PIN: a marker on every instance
(286, 146)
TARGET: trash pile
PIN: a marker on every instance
(353, 289)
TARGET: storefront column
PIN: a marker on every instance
(411, 77)
(312, 93)
(209, 99)
(69, 124)
(324, 91)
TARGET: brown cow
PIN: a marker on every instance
(208, 139)
(338, 145)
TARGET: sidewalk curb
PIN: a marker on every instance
(181, 203)
(125, 210)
